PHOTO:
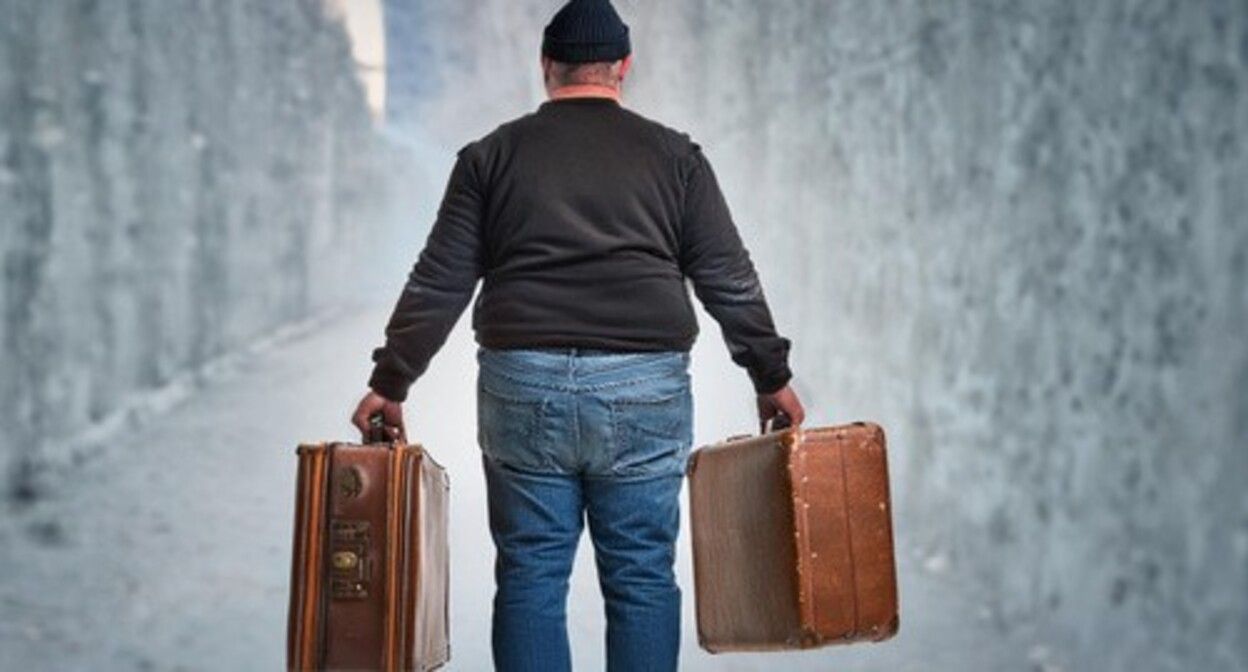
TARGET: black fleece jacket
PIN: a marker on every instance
(584, 220)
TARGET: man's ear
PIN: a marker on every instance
(546, 64)
(625, 64)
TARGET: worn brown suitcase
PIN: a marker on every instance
(369, 575)
(792, 540)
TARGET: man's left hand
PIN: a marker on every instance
(782, 402)
(391, 416)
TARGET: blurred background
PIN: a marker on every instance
(1014, 233)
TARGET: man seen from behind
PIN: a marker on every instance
(584, 221)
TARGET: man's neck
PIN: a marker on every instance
(585, 91)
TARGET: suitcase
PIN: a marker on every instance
(369, 575)
(792, 540)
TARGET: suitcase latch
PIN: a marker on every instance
(346, 560)
(349, 562)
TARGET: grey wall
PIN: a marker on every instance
(176, 180)
(1014, 232)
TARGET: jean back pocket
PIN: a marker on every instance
(511, 431)
(651, 436)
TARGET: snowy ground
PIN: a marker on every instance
(168, 548)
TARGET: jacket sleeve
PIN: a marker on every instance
(715, 260)
(438, 288)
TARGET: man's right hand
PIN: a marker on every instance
(781, 402)
(391, 416)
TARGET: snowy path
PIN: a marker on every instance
(169, 550)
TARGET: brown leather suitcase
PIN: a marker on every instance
(369, 575)
(792, 540)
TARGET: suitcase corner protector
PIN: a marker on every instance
(707, 645)
(309, 448)
(890, 629)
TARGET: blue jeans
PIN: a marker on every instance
(571, 436)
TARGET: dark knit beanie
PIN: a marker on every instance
(586, 31)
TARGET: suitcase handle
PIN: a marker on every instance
(377, 432)
(777, 422)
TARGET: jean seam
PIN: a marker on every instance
(577, 388)
(507, 397)
(652, 356)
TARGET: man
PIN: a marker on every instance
(585, 221)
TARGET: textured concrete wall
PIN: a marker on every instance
(176, 179)
(1015, 233)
